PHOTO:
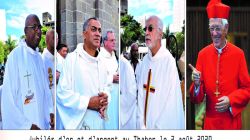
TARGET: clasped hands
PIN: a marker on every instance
(99, 103)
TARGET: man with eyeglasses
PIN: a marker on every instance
(159, 92)
(221, 75)
(108, 55)
(84, 85)
(26, 98)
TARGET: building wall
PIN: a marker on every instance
(124, 7)
(74, 12)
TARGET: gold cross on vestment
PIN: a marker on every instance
(151, 88)
(148, 89)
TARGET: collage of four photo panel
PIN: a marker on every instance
(124, 64)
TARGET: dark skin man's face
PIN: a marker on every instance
(32, 31)
(134, 52)
(50, 41)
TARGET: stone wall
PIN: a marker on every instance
(74, 12)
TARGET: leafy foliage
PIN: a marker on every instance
(180, 38)
(10, 44)
(6, 47)
(42, 43)
(2, 56)
(132, 31)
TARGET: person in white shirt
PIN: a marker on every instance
(49, 60)
(62, 51)
(26, 99)
(108, 55)
(128, 97)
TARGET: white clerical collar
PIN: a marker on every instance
(105, 53)
(83, 53)
(157, 55)
(29, 49)
(48, 54)
(220, 49)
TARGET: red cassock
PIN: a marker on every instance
(234, 82)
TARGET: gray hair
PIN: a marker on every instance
(159, 21)
(86, 23)
(105, 36)
(223, 21)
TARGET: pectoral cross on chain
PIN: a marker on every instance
(217, 89)
(148, 89)
(28, 78)
(217, 76)
(216, 93)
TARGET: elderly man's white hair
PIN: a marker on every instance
(224, 21)
(159, 21)
(105, 36)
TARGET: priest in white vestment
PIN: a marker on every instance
(128, 97)
(62, 51)
(26, 99)
(49, 62)
(107, 54)
(83, 89)
(159, 92)
(134, 59)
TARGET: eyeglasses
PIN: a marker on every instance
(150, 28)
(217, 29)
(34, 27)
(94, 29)
(112, 40)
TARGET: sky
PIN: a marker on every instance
(16, 12)
(164, 9)
(3, 25)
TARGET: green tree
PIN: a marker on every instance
(10, 44)
(2, 55)
(180, 38)
(166, 33)
(22, 37)
(172, 44)
(42, 43)
(132, 30)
